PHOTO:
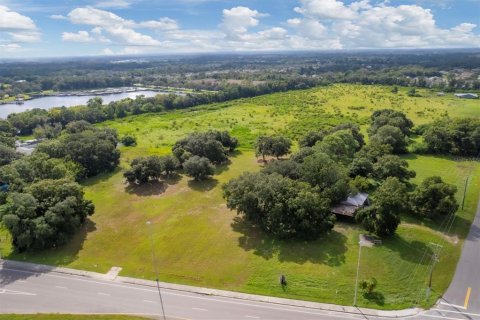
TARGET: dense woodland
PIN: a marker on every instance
(221, 72)
(292, 198)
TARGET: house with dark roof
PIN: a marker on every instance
(350, 206)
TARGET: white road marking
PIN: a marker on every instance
(453, 311)
(263, 305)
(60, 287)
(4, 291)
(103, 294)
(149, 301)
(441, 317)
(252, 317)
(199, 309)
(452, 305)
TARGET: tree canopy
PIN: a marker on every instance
(283, 207)
(95, 149)
(383, 216)
(46, 215)
(275, 146)
(213, 145)
(453, 136)
(144, 169)
(198, 168)
(392, 166)
(434, 198)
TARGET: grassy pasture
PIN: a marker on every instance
(199, 241)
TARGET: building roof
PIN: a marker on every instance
(357, 200)
(466, 95)
(351, 205)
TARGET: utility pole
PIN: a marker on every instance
(155, 267)
(465, 192)
(360, 243)
(435, 259)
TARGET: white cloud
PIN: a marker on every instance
(10, 47)
(16, 28)
(237, 20)
(160, 24)
(58, 17)
(107, 52)
(96, 17)
(118, 29)
(327, 9)
(315, 24)
(363, 25)
(80, 36)
(14, 21)
(85, 37)
(113, 4)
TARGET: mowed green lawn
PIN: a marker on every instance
(198, 241)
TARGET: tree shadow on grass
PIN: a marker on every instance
(151, 188)
(329, 249)
(410, 251)
(460, 226)
(63, 255)
(203, 185)
(100, 177)
(375, 297)
(171, 179)
(221, 168)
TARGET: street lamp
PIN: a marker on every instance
(154, 263)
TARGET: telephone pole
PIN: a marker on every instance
(155, 267)
(435, 259)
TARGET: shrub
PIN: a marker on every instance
(129, 141)
(198, 168)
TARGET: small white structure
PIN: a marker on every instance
(466, 95)
(350, 206)
(440, 94)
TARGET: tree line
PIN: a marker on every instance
(292, 198)
(45, 204)
(197, 154)
(95, 111)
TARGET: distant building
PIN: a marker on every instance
(466, 95)
(350, 206)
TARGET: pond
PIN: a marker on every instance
(68, 101)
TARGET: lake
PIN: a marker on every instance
(68, 101)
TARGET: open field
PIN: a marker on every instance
(199, 241)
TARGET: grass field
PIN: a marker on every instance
(200, 242)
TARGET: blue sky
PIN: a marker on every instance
(42, 28)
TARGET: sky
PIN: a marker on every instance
(51, 28)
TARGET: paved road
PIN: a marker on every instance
(24, 291)
(29, 292)
(464, 291)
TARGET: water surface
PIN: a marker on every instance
(68, 101)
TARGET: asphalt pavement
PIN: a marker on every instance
(29, 292)
(464, 290)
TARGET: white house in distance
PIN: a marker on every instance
(350, 206)
(466, 95)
